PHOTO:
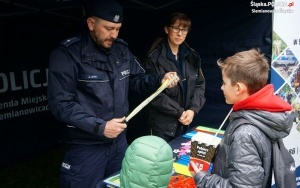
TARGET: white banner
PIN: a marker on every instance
(285, 73)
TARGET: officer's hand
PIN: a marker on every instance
(114, 127)
(169, 76)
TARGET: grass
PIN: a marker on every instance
(40, 171)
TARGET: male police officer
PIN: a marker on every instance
(89, 79)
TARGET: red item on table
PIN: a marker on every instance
(181, 181)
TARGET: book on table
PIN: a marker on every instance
(113, 181)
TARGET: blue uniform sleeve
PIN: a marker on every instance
(62, 83)
(140, 82)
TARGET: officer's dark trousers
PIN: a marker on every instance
(85, 165)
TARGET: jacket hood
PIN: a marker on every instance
(275, 125)
(265, 100)
(268, 112)
(148, 162)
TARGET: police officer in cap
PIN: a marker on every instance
(90, 76)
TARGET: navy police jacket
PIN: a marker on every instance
(88, 85)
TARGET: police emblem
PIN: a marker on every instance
(116, 18)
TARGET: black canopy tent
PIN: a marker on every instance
(30, 29)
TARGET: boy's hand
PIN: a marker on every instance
(196, 169)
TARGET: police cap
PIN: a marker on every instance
(110, 10)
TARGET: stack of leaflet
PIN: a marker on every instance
(210, 131)
(205, 130)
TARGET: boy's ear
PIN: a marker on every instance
(241, 88)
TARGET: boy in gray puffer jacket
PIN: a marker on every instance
(258, 119)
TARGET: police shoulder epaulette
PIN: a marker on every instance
(121, 41)
(69, 41)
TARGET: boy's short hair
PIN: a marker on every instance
(249, 67)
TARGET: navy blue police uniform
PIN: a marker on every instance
(88, 86)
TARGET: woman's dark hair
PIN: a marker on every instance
(184, 21)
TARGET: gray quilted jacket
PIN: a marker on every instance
(245, 152)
